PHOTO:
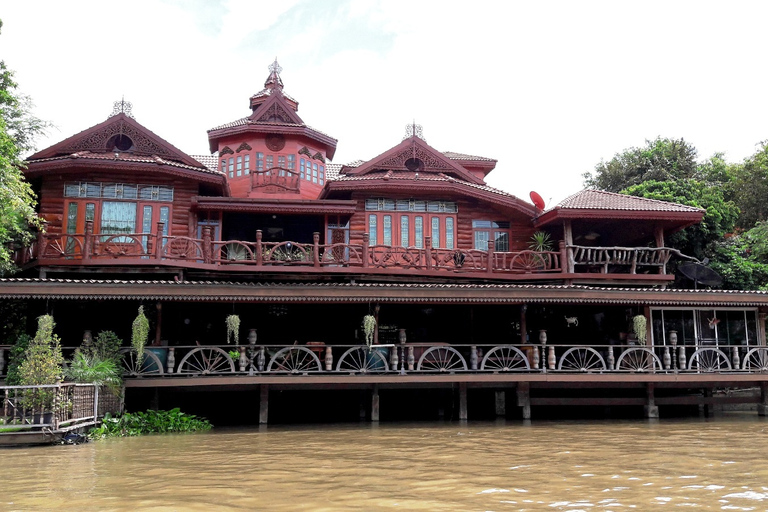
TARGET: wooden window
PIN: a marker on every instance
(301, 169)
(435, 233)
(321, 177)
(224, 165)
(314, 172)
(270, 162)
(404, 240)
(231, 167)
(259, 161)
(449, 232)
(487, 230)
(372, 230)
(118, 217)
(292, 162)
(419, 232)
(239, 165)
(387, 226)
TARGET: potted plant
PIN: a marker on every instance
(639, 326)
(369, 329)
(233, 328)
(42, 365)
(540, 242)
(139, 334)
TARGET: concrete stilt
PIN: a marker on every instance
(762, 407)
(462, 400)
(154, 404)
(524, 399)
(375, 404)
(263, 403)
(501, 403)
(708, 408)
(650, 409)
(363, 405)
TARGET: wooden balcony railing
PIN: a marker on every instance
(133, 248)
(318, 358)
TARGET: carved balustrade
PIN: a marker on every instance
(319, 358)
(222, 253)
(276, 180)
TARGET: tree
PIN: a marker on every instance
(661, 159)
(719, 219)
(750, 188)
(18, 129)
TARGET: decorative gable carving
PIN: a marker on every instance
(318, 156)
(244, 147)
(226, 150)
(429, 160)
(97, 141)
(275, 114)
(305, 151)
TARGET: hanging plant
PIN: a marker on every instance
(139, 334)
(639, 324)
(233, 328)
(369, 327)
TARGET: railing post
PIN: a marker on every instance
(171, 359)
(489, 249)
(88, 241)
(95, 402)
(428, 251)
(366, 239)
(259, 251)
(316, 248)
(159, 239)
(207, 247)
(563, 256)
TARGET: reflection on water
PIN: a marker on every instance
(717, 464)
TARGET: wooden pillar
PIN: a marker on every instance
(650, 409)
(568, 237)
(375, 403)
(154, 404)
(523, 324)
(648, 327)
(501, 403)
(658, 233)
(263, 404)
(761, 328)
(376, 310)
(462, 400)
(524, 399)
(708, 408)
(762, 407)
(159, 326)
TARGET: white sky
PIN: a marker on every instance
(547, 88)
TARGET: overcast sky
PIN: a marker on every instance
(547, 88)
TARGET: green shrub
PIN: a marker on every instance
(150, 422)
(16, 357)
(91, 369)
(105, 347)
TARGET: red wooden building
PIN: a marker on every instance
(301, 249)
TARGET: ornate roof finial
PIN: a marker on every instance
(414, 130)
(273, 80)
(122, 107)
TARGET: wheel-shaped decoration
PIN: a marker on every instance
(182, 247)
(362, 360)
(149, 367)
(119, 246)
(505, 358)
(708, 360)
(638, 359)
(581, 359)
(235, 251)
(441, 359)
(527, 261)
(294, 360)
(206, 361)
(756, 360)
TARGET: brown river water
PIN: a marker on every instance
(704, 464)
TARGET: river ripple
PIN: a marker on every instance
(715, 464)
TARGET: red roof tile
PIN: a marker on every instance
(601, 200)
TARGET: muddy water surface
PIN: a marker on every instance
(718, 464)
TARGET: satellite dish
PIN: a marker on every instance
(538, 202)
(699, 273)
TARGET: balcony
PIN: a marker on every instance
(571, 263)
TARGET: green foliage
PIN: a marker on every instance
(750, 188)
(18, 128)
(139, 334)
(91, 369)
(235, 355)
(16, 357)
(369, 327)
(150, 422)
(540, 241)
(639, 326)
(105, 347)
(233, 328)
(659, 160)
(42, 364)
(742, 260)
(719, 219)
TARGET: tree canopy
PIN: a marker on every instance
(18, 129)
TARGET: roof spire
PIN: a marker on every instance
(414, 130)
(123, 107)
(273, 80)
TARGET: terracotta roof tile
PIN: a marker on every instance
(601, 200)
(210, 161)
(463, 156)
(128, 157)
